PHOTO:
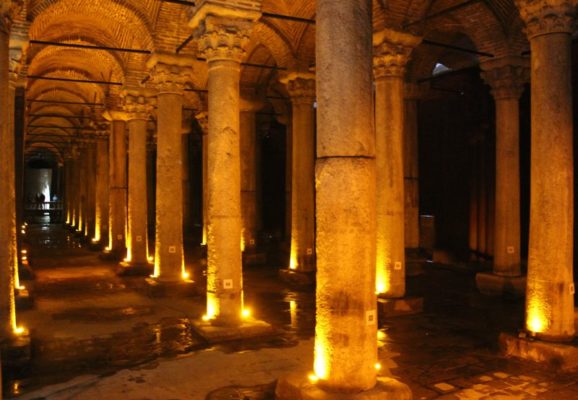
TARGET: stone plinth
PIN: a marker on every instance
(299, 387)
(247, 329)
(559, 356)
(298, 279)
(23, 299)
(135, 269)
(254, 256)
(496, 285)
(160, 288)
(16, 351)
(399, 307)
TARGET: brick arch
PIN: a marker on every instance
(114, 17)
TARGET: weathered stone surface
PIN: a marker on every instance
(563, 357)
(299, 387)
(399, 307)
(497, 285)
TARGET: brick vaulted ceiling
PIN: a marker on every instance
(492, 26)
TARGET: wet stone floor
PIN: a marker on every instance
(96, 335)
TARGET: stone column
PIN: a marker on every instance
(89, 180)
(8, 244)
(223, 34)
(550, 287)
(301, 88)
(392, 51)
(249, 170)
(203, 119)
(506, 76)
(102, 206)
(346, 323)
(75, 191)
(138, 106)
(169, 74)
(411, 167)
(117, 185)
(81, 187)
(67, 188)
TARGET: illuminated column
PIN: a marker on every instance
(506, 76)
(8, 245)
(222, 42)
(550, 286)
(248, 145)
(117, 181)
(75, 192)
(89, 181)
(411, 167)
(67, 188)
(203, 120)
(346, 322)
(101, 207)
(301, 88)
(81, 186)
(169, 74)
(138, 108)
(392, 51)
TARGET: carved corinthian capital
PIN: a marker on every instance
(170, 73)
(137, 103)
(223, 28)
(506, 76)
(391, 52)
(547, 16)
(301, 86)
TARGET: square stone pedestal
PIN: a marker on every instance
(16, 351)
(254, 257)
(496, 285)
(23, 299)
(96, 246)
(299, 387)
(558, 356)
(248, 329)
(181, 288)
(297, 279)
(111, 256)
(131, 269)
(399, 307)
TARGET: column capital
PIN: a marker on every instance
(392, 51)
(300, 85)
(223, 27)
(203, 120)
(138, 103)
(547, 16)
(170, 73)
(506, 76)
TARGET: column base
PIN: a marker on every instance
(558, 356)
(248, 329)
(111, 255)
(254, 256)
(496, 285)
(414, 262)
(298, 279)
(161, 288)
(299, 387)
(16, 351)
(23, 299)
(134, 269)
(96, 246)
(25, 271)
(398, 307)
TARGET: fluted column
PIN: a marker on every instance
(223, 34)
(301, 88)
(169, 75)
(138, 106)
(117, 185)
(411, 167)
(101, 190)
(392, 51)
(550, 287)
(8, 244)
